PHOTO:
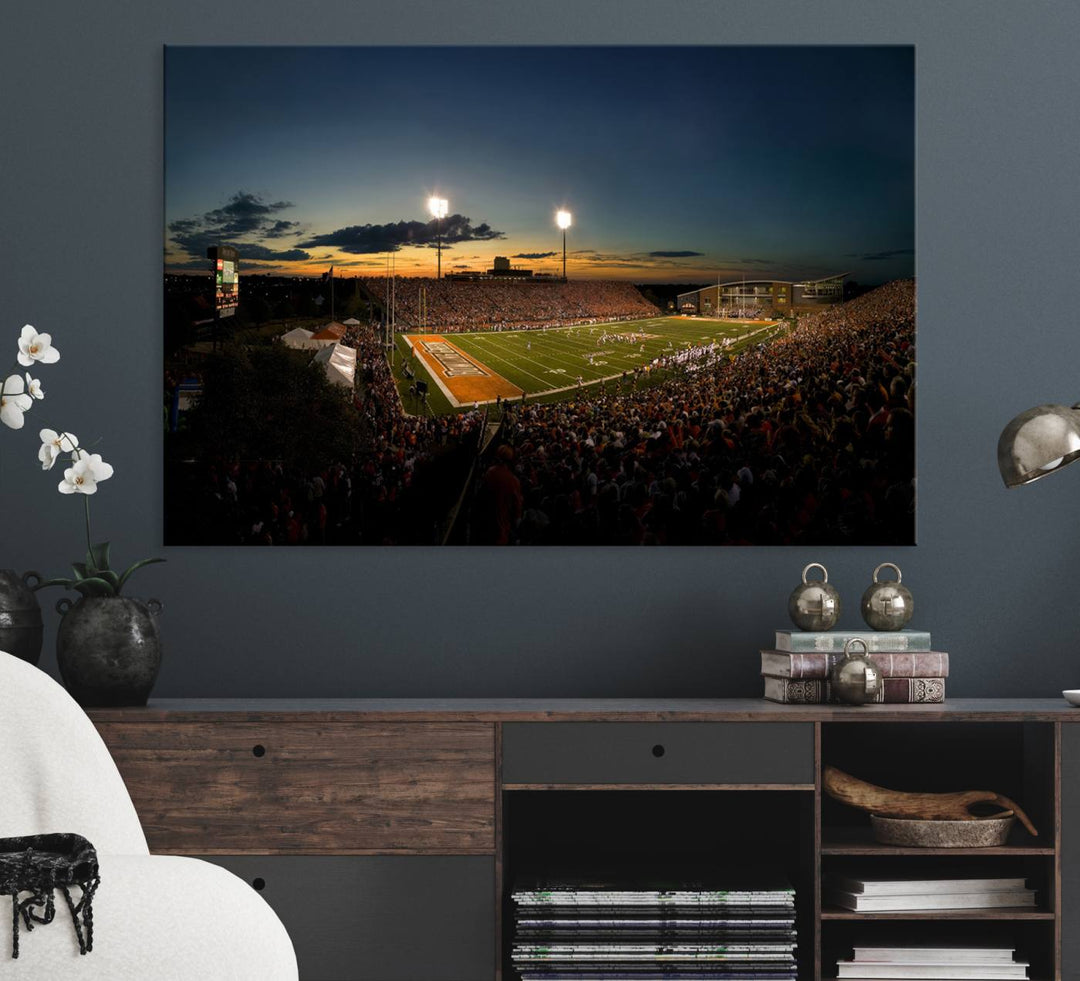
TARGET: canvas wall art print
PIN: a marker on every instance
(539, 296)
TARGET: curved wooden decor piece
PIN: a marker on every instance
(901, 804)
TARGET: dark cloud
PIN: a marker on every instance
(394, 236)
(280, 228)
(674, 255)
(246, 216)
(245, 213)
(533, 255)
(877, 256)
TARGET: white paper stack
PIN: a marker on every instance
(902, 894)
(933, 964)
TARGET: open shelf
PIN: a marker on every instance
(1012, 758)
(797, 828)
(710, 836)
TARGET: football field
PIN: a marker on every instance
(546, 365)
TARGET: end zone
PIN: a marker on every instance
(460, 377)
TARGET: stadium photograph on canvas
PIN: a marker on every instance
(539, 295)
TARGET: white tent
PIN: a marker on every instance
(351, 322)
(301, 339)
(339, 363)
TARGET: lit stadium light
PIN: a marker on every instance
(438, 208)
(563, 219)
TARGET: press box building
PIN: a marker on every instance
(763, 297)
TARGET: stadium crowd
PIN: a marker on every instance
(455, 306)
(808, 439)
(375, 498)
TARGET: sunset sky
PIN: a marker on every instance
(679, 164)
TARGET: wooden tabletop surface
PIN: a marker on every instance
(582, 710)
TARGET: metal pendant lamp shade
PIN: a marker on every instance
(1037, 442)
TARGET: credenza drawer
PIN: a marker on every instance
(696, 753)
(230, 788)
(381, 918)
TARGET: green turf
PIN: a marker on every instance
(544, 361)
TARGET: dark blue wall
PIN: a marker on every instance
(995, 573)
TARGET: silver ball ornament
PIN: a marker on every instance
(855, 679)
(887, 605)
(814, 605)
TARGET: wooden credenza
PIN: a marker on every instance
(387, 833)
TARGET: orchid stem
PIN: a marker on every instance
(89, 547)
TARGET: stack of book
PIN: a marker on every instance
(895, 894)
(939, 963)
(797, 669)
(578, 931)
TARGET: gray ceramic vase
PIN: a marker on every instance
(21, 628)
(108, 649)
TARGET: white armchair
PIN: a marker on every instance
(156, 918)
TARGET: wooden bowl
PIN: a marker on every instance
(913, 832)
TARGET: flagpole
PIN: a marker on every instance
(332, 317)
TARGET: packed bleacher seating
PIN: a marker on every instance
(394, 492)
(468, 305)
(808, 439)
(805, 439)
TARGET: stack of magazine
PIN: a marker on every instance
(579, 931)
(938, 963)
(899, 893)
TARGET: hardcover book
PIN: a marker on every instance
(833, 641)
(935, 955)
(920, 887)
(968, 971)
(895, 691)
(816, 664)
(979, 900)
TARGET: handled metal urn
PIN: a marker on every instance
(108, 649)
(855, 679)
(814, 605)
(887, 605)
(21, 628)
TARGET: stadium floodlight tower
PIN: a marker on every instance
(563, 219)
(438, 208)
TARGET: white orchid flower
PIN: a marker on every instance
(36, 347)
(53, 444)
(14, 401)
(33, 387)
(83, 476)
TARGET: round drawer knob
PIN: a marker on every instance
(258, 750)
(658, 750)
(258, 884)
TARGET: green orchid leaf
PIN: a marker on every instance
(138, 565)
(110, 577)
(94, 587)
(79, 568)
(66, 583)
(97, 559)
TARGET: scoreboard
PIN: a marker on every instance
(225, 267)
